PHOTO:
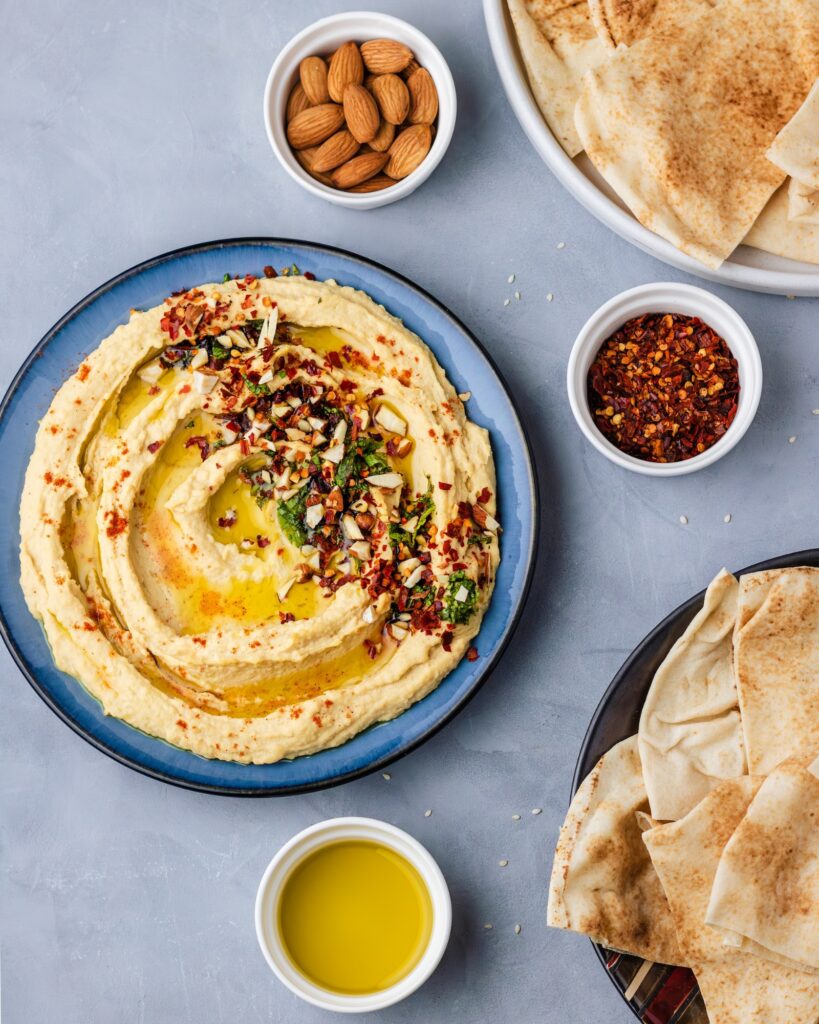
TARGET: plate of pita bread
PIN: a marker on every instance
(690, 852)
(689, 127)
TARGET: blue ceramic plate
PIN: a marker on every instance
(657, 994)
(468, 367)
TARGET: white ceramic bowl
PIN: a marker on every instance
(292, 853)
(323, 37)
(666, 298)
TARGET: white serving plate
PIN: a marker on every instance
(745, 268)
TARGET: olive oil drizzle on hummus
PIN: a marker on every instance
(275, 511)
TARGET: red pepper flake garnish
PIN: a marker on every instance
(117, 523)
(286, 617)
(154, 446)
(472, 654)
(261, 541)
(310, 276)
(201, 443)
(269, 272)
(664, 387)
(446, 640)
(181, 724)
(444, 487)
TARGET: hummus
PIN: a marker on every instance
(257, 520)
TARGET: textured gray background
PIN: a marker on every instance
(129, 129)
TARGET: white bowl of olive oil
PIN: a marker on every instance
(353, 914)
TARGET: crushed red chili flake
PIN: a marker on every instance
(269, 272)
(664, 387)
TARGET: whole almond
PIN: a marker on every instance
(305, 157)
(392, 97)
(423, 97)
(385, 56)
(358, 169)
(373, 185)
(296, 102)
(338, 149)
(361, 113)
(383, 138)
(408, 150)
(313, 78)
(315, 124)
(346, 69)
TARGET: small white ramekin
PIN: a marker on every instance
(292, 853)
(666, 298)
(323, 37)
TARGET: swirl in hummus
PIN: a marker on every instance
(257, 519)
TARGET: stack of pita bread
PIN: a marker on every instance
(696, 842)
(702, 115)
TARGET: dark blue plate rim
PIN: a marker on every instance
(532, 541)
(654, 647)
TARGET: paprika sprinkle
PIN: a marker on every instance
(664, 387)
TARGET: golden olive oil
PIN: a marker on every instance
(355, 917)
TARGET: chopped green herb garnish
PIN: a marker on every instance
(254, 388)
(225, 279)
(457, 611)
(218, 351)
(291, 517)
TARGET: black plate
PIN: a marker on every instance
(664, 995)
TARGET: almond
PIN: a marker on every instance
(296, 102)
(358, 169)
(313, 77)
(393, 98)
(313, 125)
(345, 69)
(338, 149)
(361, 113)
(423, 97)
(408, 70)
(385, 56)
(408, 150)
(373, 185)
(305, 157)
(383, 138)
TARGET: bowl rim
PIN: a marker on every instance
(285, 66)
(313, 838)
(660, 296)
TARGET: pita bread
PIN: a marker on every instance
(776, 233)
(623, 22)
(557, 43)
(796, 148)
(603, 884)
(796, 151)
(776, 663)
(765, 896)
(803, 202)
(690, 732)
(737, 988)
(679, 123)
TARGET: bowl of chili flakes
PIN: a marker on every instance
(664, 379)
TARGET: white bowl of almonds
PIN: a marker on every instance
(360, 108)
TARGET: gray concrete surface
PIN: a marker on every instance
(132, 128)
